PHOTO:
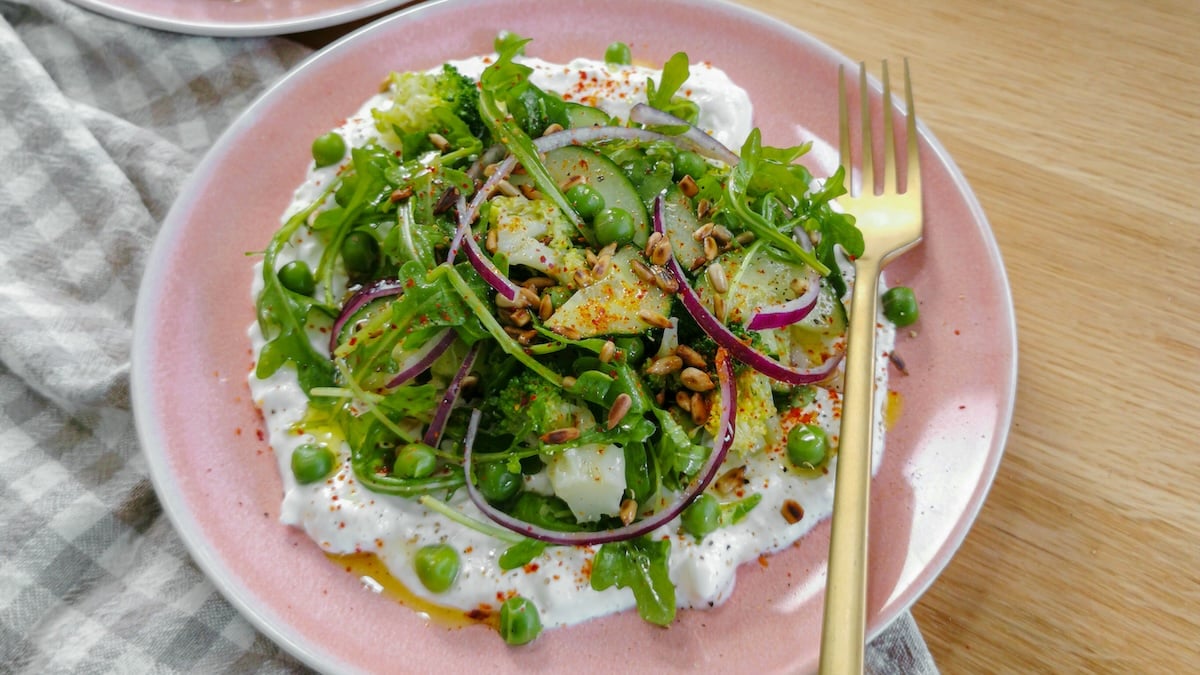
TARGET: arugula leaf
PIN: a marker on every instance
(837, 229)
(678, 456)
(504, 81)
(662, 96)
(737, 192)
(733, 512)
(283, 317)
(641, 565)
(521, 554)
(545, 511)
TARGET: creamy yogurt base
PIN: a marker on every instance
(345, 518)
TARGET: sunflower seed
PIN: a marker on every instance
(664, 365)
(620, 407)
(608, 351)
(560, 435)
(642, 271)
(687, 185)
(696, 379)
(691, 357)
(791, 511)
(731, 481)
(716, 277)
(628, 511)
(654, 318)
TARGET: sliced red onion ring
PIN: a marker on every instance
(724, 439)
(372, 291)
(482, 264)
(647, 114)
(436, 426)
(788, 313)
(716, 329)
(420, 360)
(583, 135)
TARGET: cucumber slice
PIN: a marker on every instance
(610, 306)
(828, 317)
(680, 222)
(580, 115)
(606, 177)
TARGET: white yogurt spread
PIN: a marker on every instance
(345, 518)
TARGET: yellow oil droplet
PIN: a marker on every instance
(375, 575)
(892, 409)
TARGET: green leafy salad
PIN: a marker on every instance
(551, 340)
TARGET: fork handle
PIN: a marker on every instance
(843, 631)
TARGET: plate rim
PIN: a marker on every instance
(119, 10)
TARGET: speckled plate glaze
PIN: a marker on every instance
(240, 18)
(217, 478)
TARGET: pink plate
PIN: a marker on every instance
(240, 18)
(217, 479)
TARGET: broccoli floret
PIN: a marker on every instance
(463, 94)
(445, 103)
(528, 405)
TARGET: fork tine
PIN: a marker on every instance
(868, 147)
(889, 142)
(912, 182)
(844, 130)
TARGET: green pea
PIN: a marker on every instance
(613, 225)
(328, 149)
(900, 306)
(807, 445)
(631, 348)
(312, 463)
(436, 566)
(519, 621)
(496, 482)
(586, 200)
(702, 516)
(688, 163)
(360, 253)
(415, 460)
(345, 192)
(297, 277)
(618, 54)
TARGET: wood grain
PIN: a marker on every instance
(1078, 126)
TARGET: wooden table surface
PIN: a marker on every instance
(1077, 125)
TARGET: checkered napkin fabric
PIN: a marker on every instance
(100, 123)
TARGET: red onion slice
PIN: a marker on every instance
(436, 426)
(788, 313)
(420, 360)
(647, 114)
(725, 338)
(724, 439)
(482, 264)
(372, 291)
(582, 135)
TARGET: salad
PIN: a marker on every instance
(540, 340)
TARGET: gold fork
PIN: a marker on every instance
(891, 223)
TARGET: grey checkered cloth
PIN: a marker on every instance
(100, 123)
